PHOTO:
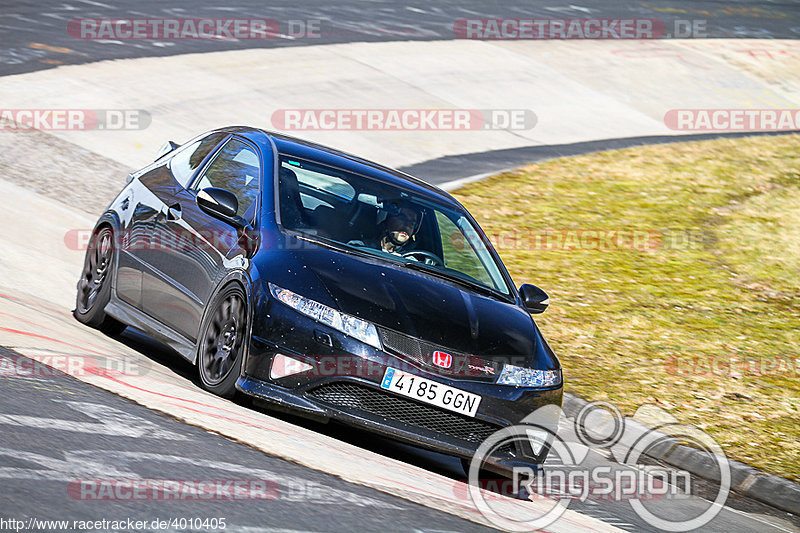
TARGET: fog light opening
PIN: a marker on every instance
(283, 366)
(537, 438)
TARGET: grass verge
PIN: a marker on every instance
(674, 275)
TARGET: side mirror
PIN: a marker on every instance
(219, 203)
(166, 148)
(534, 298)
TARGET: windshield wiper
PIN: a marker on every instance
(322, 241)
(477, 286)
(335, 245)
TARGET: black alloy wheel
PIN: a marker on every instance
(221, 342)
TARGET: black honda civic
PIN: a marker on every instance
(326, 285)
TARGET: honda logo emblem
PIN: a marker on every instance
(442, 359)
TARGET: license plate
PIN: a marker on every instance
(429, 391)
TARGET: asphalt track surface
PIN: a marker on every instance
(64, 444)
(450, 171)
(33, 34)
(48, 471)
(40, 459)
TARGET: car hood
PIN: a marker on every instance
(423, 306)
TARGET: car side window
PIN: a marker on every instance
(457, 253)
(188, 157)
(235, 168)
(333, 185)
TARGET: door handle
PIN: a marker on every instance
(172, 212)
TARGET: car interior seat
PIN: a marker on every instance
(291, 205)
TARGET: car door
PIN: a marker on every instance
(144, 204)
(139, 209)
(194, 246)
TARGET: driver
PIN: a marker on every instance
(396, 232)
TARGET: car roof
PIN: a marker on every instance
(304, 149)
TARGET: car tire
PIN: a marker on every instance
(221, 344)
(94, 286)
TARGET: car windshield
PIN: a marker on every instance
(386, 221)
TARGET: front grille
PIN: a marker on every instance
(463, 366)
(401, 344)
(395, 408)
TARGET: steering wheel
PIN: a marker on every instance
(427, 257)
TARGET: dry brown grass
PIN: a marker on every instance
(704, 320)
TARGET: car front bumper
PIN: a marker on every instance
(343, 384)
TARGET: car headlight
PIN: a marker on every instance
(528, 377)
(349, 325)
